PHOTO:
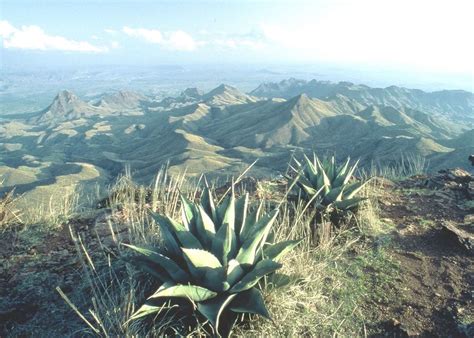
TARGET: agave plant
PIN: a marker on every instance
(213, 258)
(327, 185)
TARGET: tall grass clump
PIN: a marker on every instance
(406, 165)
(8, 212)
(115, 288)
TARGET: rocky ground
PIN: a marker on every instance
(433, 243)
(430, 238)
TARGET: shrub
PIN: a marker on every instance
(328, 186)
(212, 261)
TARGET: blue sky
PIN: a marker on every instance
(433, 36)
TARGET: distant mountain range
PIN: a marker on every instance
(451, 103)
(222, 131)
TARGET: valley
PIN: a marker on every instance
(209, 133)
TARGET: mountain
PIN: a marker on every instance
(454, 104)
(66, 106)
(121, 100)
(226, 95)
(268, 123)
(193, 93)
(222, 131)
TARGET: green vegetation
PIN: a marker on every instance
(327, 185)
(217, 263)
(214, 259)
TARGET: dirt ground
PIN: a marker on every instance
(435, 284)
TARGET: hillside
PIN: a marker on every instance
(226, 128)
(454, 104)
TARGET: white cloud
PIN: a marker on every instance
(114, 44)
(149, 35)
(110, 31)
(423, 34)
(176, 40)
(235, 42)
(34, 38)
(180, 40)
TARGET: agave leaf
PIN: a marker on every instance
(173, 269)
(334, 194)
(170, 241)
(353, 188)
(341, 173)
(250, 301)
(229, 214)
(192, 292)
(349, 203)
(350, 173)
(262, 268)
(205, 227)
(153, 269)
(201, 259)
(184, 236)
(302, 180)
(323, 179)
(188, 214)
(310, 171)
(234, 271)
(257, 235)
(224, 243)
(241, 206)
(252, 218)
(331, 168)
(276, 251)
(221, 211)
(308, 191)
(213, 308)
(206, 268)
(207, 201)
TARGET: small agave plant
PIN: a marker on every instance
(327, 185)
(213, 259)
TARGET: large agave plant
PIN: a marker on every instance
(327, 185)
(214, 258)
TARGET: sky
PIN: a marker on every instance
(432, 36)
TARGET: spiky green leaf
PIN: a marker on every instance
(262, 268)
(256, 237)
(192, 292)
(212, 309)
(173, 269)
(276, 251)
(250, 301)
(224, 243)
(185, 236)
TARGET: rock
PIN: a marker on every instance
(399, 329)
(459, 236)
(469, 219)
(457, 174)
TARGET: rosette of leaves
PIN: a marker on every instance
(328, 185)
(214, 259)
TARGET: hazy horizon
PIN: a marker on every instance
(421, 45)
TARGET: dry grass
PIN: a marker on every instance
(315, 302)
(8, 212)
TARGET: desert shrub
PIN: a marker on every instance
(212, 260)
(330, 190)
